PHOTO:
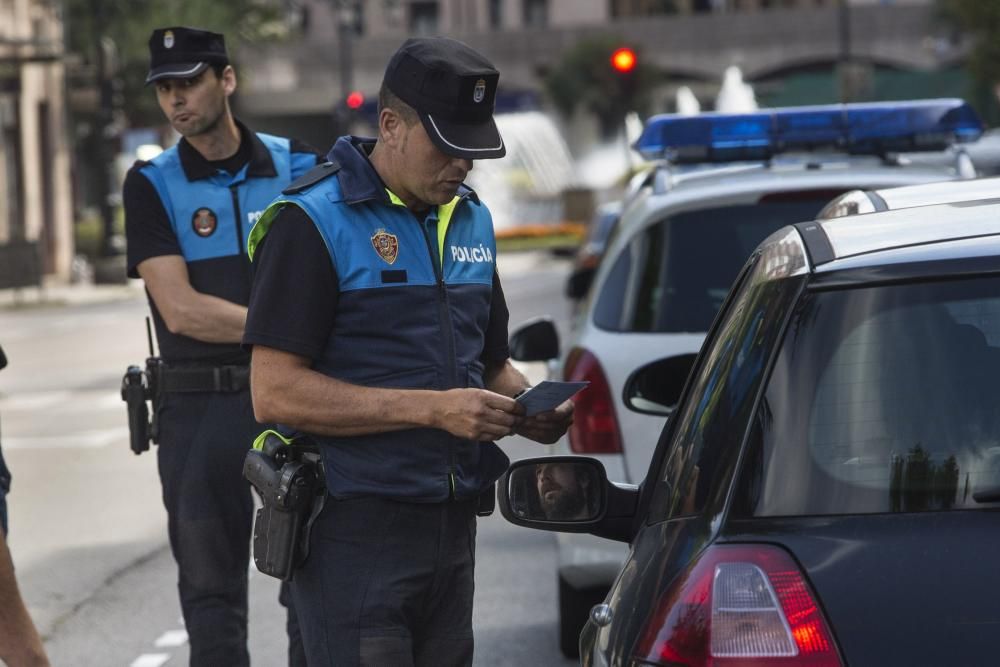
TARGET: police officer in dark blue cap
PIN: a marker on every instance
(379, 328)
(188, 213)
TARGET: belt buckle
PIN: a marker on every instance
(223, 378)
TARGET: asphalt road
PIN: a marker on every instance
(88, 530)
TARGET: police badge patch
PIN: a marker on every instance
(204, 222)
(479, 92)
(386, 245)
(168, 39)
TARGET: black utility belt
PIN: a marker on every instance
(208, 378)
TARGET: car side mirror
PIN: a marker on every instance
(569, 494)
(3, 358)
(579, 282)
(535, 340)
(557, 490)
(655, 388)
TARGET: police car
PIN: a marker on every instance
(723, 183)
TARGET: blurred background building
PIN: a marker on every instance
(791, 51)
(74, 113)
(36, 216)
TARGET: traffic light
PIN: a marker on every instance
(623, 60)
(625, 65)
(354, 100)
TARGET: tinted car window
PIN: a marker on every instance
(601, 228)
(685, 264)
(608, 309)
(716, 413)
(883, 399)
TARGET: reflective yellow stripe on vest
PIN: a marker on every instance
(258, 442)
(445, 211)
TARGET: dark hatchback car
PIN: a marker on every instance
(827, 491)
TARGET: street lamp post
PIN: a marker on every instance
(845, 73)
(347, 18)
(103, 132)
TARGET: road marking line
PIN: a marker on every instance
(79, 440)
(35, 401)
(150, 660)
(171, 638)
(110, 401)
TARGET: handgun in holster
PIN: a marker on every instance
(288, 475)
(139, 386)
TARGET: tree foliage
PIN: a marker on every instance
(979, 19)
(123, 27)
(584, 77)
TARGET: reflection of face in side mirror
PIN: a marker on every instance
(556, 491)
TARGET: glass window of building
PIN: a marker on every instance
(424, 18)
(496, 13)
(536, 13)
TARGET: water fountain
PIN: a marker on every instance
(686, 103)
(525, 187)
(734, 95)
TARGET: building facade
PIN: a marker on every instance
(35, 201)
(343, 45)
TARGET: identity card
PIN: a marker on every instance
(547, 395)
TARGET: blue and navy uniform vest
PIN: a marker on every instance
(413, 309)
(212, 214)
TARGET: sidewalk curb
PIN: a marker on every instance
(57, 296)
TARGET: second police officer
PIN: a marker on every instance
(379, 328)
(187, 214)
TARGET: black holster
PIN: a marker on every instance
(139, 386)
(289, 479)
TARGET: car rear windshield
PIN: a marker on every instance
(674, 276)
(883, 399)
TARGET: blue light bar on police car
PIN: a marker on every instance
(866, 128)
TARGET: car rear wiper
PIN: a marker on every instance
(987, 495)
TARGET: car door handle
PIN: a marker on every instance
(601, 615)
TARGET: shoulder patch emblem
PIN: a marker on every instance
(386, 245)
(204, 222)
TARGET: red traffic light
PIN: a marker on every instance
(623, 60)
(355, 99)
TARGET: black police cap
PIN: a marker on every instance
(181, 53)
(453, 88)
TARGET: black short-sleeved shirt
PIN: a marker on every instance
(293, 302)
(149, 234)
(155, 237)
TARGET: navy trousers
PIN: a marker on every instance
(388, 584)
(204, 438)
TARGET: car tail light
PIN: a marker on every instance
(739, 606)
(595, 426)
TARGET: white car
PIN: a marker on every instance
(677, 249)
